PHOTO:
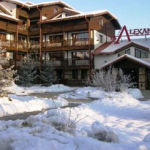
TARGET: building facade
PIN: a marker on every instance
(55, 32)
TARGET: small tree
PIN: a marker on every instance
(27, 72)
(110, 80)
(47, 74)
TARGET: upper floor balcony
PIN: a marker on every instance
(23, 29)
(68, 44)
(12, 45)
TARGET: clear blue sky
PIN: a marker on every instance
(132, 13)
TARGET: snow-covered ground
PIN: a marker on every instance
(116, 121)
(38, 89)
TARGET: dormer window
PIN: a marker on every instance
(101, 22)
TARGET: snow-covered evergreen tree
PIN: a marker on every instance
(27, 72)
(47, 74)
(6, 74)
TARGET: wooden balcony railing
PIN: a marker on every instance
(8, 44)
(12, 45)
(33, 45)
(70, 62)
(67, 43)
(33, 28)
(23, 27)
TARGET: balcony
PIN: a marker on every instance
(23, 29)
(67, 44)
(8, 44)
(33, 45)
(33, 30)
(70, 63)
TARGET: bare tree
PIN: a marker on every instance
(110, 80)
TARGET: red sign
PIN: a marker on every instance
(132, 32)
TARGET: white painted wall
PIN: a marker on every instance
(10, 7)
(100, 60)
(97, 39)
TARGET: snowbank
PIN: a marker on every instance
(38, 89)
(21, 104)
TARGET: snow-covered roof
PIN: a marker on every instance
(72, 10)
(9, 17)
(6, 10)
(112, 48)
(31, 5)
(137, 60)
(81, 15)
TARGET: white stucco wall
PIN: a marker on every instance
(97, 39)
(10, 7)
(100, 60)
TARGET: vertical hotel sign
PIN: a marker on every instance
(132, 32)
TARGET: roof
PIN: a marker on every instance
(9, 17)
(31, 5)
(82, 15)
(129, 57)
(113, 48)
(5, 10)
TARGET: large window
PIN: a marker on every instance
(140, 54)
(124, 52)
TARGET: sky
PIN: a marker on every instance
(132, 13)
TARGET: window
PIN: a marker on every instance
(83, 74)
(101, 38)
(140, 54)
(124, 52)
(101, 22)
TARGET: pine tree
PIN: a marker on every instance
(47, 74)
(6, 74)
(27, 72)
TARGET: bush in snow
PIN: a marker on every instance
(6, 74)
(27, 72)
(54, 118)
(47, 74)
(110, 80)
(103, 133)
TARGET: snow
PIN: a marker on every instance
(113, 47)
(21, 104)
(38, 89)
(116, 121)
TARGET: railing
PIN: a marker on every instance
(66, 43)
(33, 28)
(7, 43)
(33, 45)
(23, 27)
(70, 62)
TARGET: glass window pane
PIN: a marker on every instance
(137, 53)
(144, 55)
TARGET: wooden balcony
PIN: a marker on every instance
(8, 44)
(12, 45)
(33, 46)
(23, 29)
(70, 63)
(33, 30)
(69, 44)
